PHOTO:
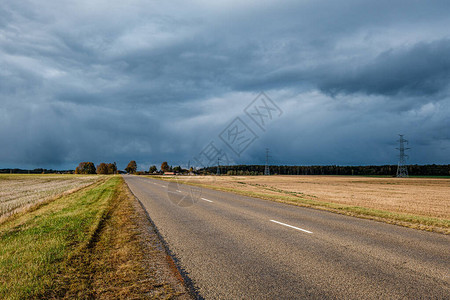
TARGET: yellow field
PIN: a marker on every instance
(18, 192)
(423, 196)
(427, 197)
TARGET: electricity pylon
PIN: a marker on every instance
(266, 168)
(402, 169)
(218, 166)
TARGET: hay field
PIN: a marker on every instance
(18, 192)
(417, 196)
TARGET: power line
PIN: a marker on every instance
(402, 169)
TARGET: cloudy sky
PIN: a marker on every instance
(162, 80)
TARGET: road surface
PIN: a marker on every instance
(236, 247)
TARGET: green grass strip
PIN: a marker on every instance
(35, 246)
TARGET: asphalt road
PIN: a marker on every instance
(236, 247)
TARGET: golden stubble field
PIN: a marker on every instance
(18, 192)
(418, 196)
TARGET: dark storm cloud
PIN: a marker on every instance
(423, 69)
(156, 81)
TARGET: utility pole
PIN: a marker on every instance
(218, 166)
(402, 169)
(266, 169)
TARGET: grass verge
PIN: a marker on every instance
(94, 243)
(402, 219)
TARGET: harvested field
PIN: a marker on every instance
(94, 243)
(18, 192)
(372, 196)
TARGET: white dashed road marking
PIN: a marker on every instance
(290, 226)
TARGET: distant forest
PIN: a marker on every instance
(36, 171)
(387, 170)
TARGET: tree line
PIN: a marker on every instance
(384, 170)
(165, 167)
(374, 170)
(35, 171)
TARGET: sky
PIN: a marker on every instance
(188, 82)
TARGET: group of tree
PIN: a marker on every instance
(131, 167)
(89, 168)
(85, 168)
(165, 167)
(107, 168)
(177, 169)
(103, 168)
(384, 170)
